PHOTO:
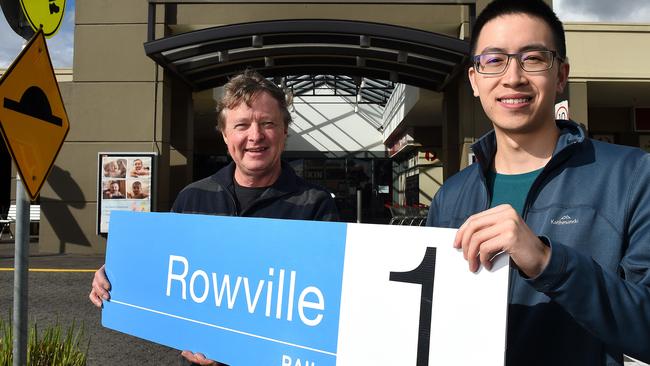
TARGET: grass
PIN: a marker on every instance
(54, 347)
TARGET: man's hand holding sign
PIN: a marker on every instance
(500, 229)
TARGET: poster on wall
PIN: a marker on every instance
(125, 183)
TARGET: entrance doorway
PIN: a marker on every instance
(342, 177)
(345, 178)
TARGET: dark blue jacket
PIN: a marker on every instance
(290, 197)
(591, 204)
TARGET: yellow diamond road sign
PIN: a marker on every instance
(33, 119)
(45, 14)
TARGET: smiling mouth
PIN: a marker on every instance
(514, 100)
(256, 149)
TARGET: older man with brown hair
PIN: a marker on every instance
(253, 120)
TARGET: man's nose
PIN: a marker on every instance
(514, 74)
(255, 133)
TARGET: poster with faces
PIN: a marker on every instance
(124, 184)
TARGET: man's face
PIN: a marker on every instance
(518, 101)
(255, 137)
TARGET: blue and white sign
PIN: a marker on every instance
(249, 291)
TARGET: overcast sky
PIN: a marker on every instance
(61, 45)
(622, 11)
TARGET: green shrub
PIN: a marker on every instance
(5, 343)
(54, 347)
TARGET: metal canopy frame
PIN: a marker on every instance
(365, 91)
(206, 58)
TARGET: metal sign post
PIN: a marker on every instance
(21, 267)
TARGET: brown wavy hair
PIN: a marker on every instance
(246, 87)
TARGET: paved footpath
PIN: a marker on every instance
(58, 290)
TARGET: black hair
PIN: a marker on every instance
(534, 8)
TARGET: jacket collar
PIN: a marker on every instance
(286, 182)
(570, 134)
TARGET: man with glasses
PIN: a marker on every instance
(572, 213)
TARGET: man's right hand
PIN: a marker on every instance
(198, 359)
(100, 288)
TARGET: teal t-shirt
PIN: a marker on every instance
(510, 188)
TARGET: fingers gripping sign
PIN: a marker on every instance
(501, 229)
(100, 288)
(198, 358)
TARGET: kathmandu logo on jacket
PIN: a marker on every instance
(564, 220)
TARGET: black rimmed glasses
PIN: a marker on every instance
(530, 61)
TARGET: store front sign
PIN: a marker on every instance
(401, 144)
(250, 291)
(562, 110)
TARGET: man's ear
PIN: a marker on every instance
(225, 139)
(562, 76)
(471, 74)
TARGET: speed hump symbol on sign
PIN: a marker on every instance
(44, 14)
(33, 119)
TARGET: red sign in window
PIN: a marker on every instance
(642, 119)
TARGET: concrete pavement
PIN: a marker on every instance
(58, 292)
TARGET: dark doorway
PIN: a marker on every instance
(347, 177)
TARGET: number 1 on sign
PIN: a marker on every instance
(422, 275)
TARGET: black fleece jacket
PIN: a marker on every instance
(290, 197)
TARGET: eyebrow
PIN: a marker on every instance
(242, 120)
(530, 47)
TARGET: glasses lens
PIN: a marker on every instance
(491, 63)
(496, 63)
(536, 60)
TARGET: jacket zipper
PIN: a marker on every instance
(537, 184)
(233, 201)
(259, 201)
